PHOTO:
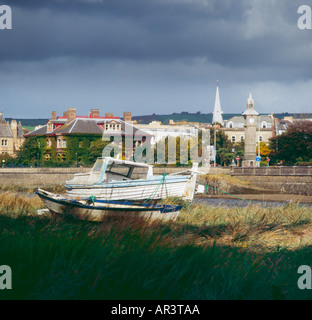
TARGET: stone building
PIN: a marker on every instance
(234, 128)
(58, 131)
(11, 136)
(159, 131)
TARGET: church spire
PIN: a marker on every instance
(217, 111)
(250, 101)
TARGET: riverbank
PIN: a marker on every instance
(262, 197)
(207, 253)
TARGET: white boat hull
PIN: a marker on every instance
(80, 210)
(129, 192)
(113, 179)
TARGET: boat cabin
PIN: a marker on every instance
(109, 170)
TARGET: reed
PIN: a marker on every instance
(207, 253)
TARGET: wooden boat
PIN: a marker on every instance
(114, 179)
(96, 210)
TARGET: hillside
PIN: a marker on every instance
(177, 117)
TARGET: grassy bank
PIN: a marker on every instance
(207, 253)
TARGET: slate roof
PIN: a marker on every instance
(5, 129)
(90, 126)
(79, 126)
(38, 132)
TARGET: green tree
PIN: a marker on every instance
(32, 151)
(96, 149)
(225, 156)
(295, 143)
(225, 146)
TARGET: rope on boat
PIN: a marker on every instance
(162, 181)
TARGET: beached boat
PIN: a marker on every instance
(114, 179)
(96, 210)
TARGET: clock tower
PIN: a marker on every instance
(250, 117)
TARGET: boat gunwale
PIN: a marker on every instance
(130, 183)
(66, 202)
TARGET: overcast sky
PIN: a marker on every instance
(154, 56)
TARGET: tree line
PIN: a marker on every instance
(294, 147)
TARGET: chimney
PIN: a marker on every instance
(65, 114)
(128, 117)
(95, 113)
(53, 115)
(109, 115)
(14, 130)
(71, 114)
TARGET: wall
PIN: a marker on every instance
(36, 177)
(292, 180)
(271, 171)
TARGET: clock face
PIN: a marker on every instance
(251, 120)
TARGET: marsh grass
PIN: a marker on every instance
(59, 188)
(207, 253)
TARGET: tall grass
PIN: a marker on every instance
(207, 253)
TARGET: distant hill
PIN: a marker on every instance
(180, 117)
(204, 117)
(177, 117)
(30, 122)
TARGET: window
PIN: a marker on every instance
(242, 138)
(4, 142)
(264, 125)
(59, 143)
(49, 143)
(64, 144)
(231, 125)
(260, 138)
(233, 139)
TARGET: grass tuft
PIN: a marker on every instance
(207, 253)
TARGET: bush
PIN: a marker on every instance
(304, 164)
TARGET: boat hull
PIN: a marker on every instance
(129, 191)
(98, 211)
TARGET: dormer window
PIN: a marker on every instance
(50, 126)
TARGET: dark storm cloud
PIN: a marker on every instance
(131, 29)
(148, 30)
(157, 42)
(139, 29)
